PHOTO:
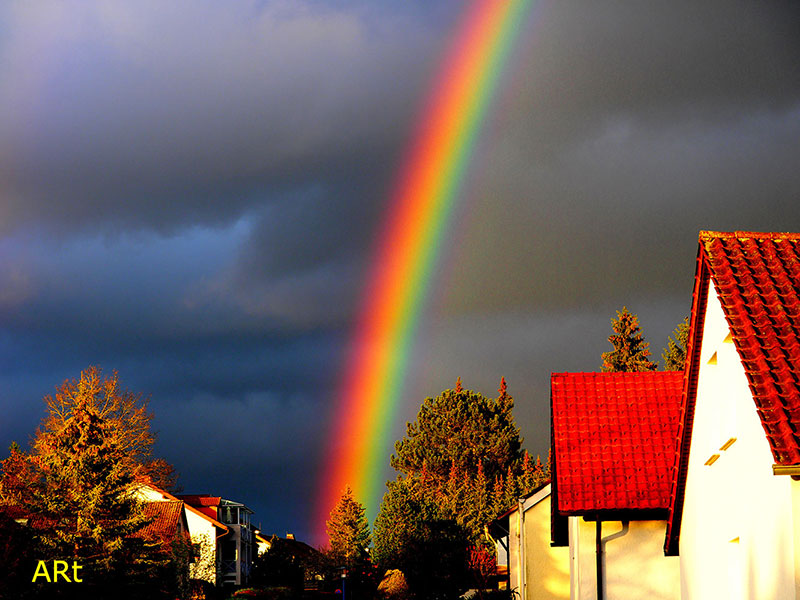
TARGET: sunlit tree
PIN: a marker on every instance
(77, 483)
(674, 354)
(460, 464)
(348, 530)
(630, 351)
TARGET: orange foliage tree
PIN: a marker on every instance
(77, 484)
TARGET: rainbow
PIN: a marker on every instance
(419, 211)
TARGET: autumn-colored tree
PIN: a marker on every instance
(674, 354)
(77, 483)
(630, 350)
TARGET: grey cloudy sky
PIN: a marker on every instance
(190, 193)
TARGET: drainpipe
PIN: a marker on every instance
(521, 557)
(599, 543)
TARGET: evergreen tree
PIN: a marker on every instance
(630, 350)
(460, 429)
(348, 530)
(412, 535)
(674, 354)
(460, 464)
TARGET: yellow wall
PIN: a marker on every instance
(546, 568)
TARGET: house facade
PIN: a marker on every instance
(203, 530)
(614, 443)
(536, 570)
(735, 506)
(236, 548)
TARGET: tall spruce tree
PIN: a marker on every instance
(630, 351)
(348, 530)
(674, 354)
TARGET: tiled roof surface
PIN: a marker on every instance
(166, 519)
(757, 277)
(200, 499)
(614, 439)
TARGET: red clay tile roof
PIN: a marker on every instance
(614, 438)
(757, 278)
(166, 519)
(200, 499)
(203, 503)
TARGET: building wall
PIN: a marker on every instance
(634, 565)
(546, 568)
(737, 533)
(202, 532)
(204, 536)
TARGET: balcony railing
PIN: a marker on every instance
(228, 566)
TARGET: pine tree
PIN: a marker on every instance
(459, 465)
(348, 530)
(630, 350)
(461, 429)
(674, 354)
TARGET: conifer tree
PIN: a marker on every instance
(460, 428)
(630, 350)
(460, 464)
(348, 530)
(674, 354)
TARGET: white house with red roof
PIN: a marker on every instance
(614, 438)
(203, 529)
(236, 547)
(734, 514)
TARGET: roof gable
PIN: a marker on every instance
(757, 279)
(614, 437)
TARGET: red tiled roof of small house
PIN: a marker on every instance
(166, 520)
(614, 438)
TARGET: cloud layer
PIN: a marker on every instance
(191, 193)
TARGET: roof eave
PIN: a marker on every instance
(690, 376)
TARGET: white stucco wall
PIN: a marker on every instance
(546, 567)
(737, 532)
(634, 565)
(203, 534)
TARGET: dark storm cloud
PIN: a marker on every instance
(155, 116)
(626, 130)
(586, 63)
(260, 451)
